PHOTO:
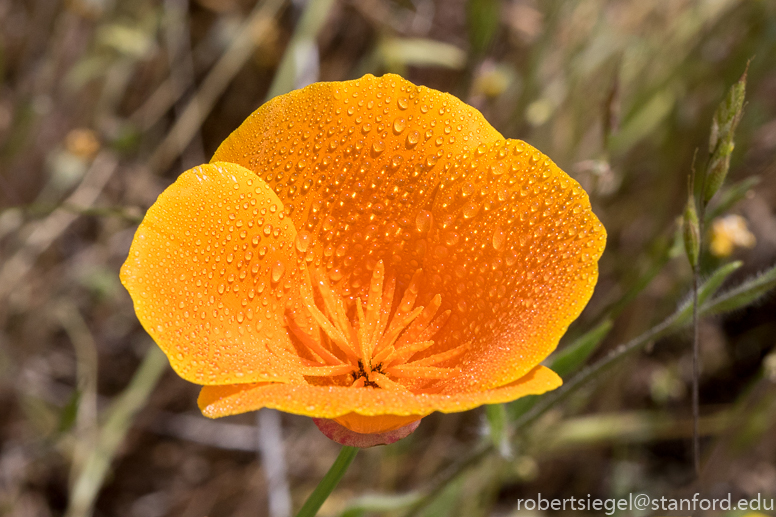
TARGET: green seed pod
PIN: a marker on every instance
(691, 231)
(723, 128)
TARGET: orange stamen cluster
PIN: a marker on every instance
(378, 348)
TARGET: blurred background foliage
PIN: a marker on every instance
(104, 102)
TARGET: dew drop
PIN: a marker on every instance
(412, 139)
(378, 147)
(303, 239)
(423, 221)
(399, 125)
(470, 210)
(441, 252)
(278, 268)
(497, 169)
(499, 238)
(511, 258)
(451, 238)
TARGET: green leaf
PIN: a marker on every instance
(483, 20)
(742, 295)
(708, 289)
(573, 356)
(69, 412)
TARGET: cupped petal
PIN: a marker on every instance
(357, 165)
(515, 258)
(335, 401)
(210, 272)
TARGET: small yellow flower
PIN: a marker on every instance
(728, 233)
(365, 253)
(82, 143)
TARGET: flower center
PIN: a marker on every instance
(376, 346)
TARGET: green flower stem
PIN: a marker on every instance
(329, 482)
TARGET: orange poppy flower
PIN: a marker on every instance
(365, 252)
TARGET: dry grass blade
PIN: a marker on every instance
(214, 85)
(117, 422)
(45, 232)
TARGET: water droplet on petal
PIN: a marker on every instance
(470, 210)
(303, 240)
(278, 268)
(499, 238)
(412, 139)
(423, 221)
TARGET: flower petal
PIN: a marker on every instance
(357, 165)
(336, 401)
(210, 272)
(516, 260)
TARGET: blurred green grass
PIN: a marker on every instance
(104, 103)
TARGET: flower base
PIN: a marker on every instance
(345, 436)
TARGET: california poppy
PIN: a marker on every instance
(365, 252)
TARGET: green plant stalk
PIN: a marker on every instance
(329, 482)
(721, 144)
(693, 236)
(696, 352)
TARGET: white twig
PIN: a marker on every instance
(274, 462)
